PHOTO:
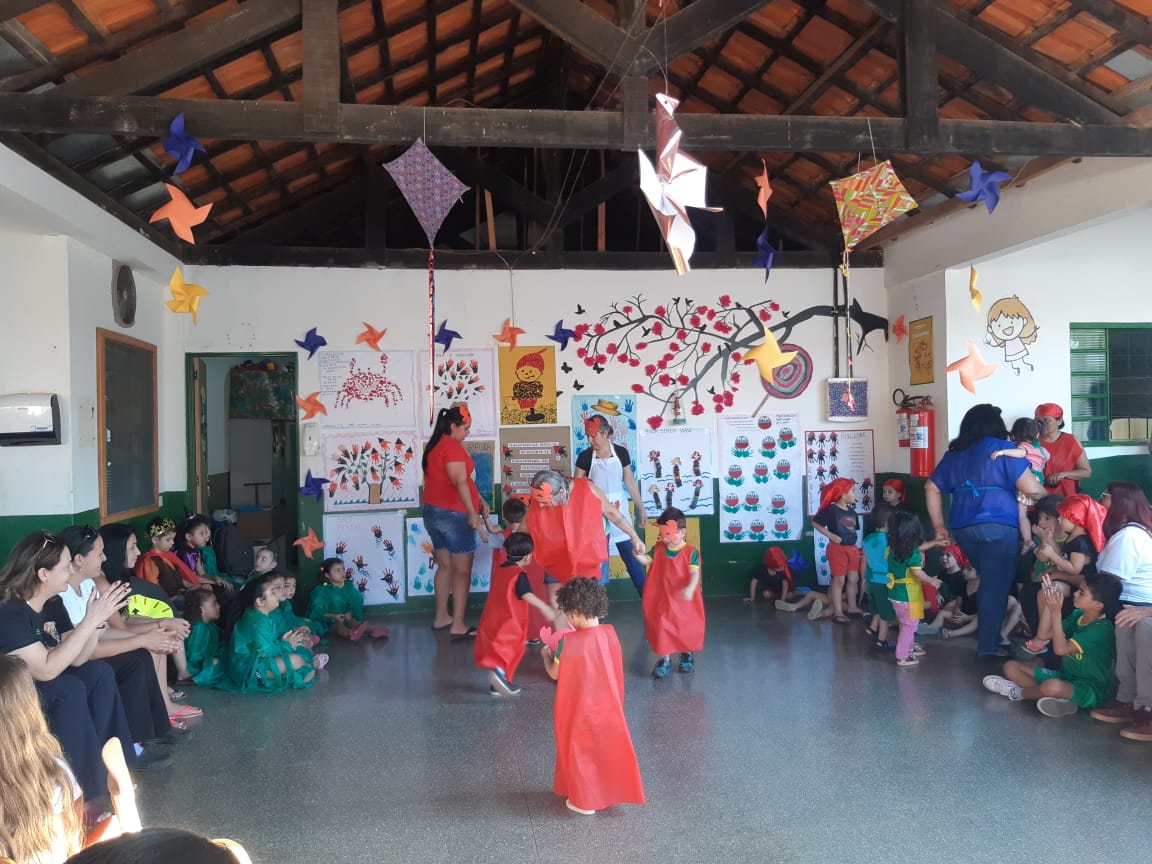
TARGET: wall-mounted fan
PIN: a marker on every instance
(123, 295)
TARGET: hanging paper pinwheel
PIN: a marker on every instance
(868, 201)
(673, 184)
(431, 190)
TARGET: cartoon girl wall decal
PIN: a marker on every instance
(1012, 328)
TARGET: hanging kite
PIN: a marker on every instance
(431, 190)
(675, 183)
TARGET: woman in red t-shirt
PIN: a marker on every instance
(1067, 461)
(452, 511)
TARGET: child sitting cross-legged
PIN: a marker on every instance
(286, 617)
(338, 606)
(1086, 641)
(205, 655)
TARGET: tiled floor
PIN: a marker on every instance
(791, 742)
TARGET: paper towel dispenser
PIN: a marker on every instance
(29, 418)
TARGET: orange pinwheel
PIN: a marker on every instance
(309, 543)
(311, 405)
(181, 213)
(508, 335)
(899, 329)
(371, 336)
(972, 368)
(765, 190)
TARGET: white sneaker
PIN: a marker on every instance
(918, 650)
(1002, 687)
(568, 803)
(910, 660)
(1050, 706)
(784, 606)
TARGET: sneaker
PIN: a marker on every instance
(662, 668)
(785, 606)
(1141, 729)
(908, 661)
(152, 759)
(568, 803)
(918, 650)
(814, 612)
(927, 630)
(1034, 647)
(501, 684)
(687, 662)
(175, 735)
(1050, 706)
(320, 661)
(534, 643)
(1117, 712)
(1001, 686)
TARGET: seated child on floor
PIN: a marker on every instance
(599, 770)
(957, 593)
(205, 654)
(1086, 640)
(160, 565)
(673, 603)
(965, 621)
(261, 657)
(775, 579)
(264, 562)
(337, 605)
(286, 617)
(503, 630)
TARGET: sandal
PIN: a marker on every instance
(186, 712)
(176, 695)
(870, 633)
(470, 633)
(840, 619)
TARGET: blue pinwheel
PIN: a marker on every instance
(313, 486)
(765, 253)
(561, 334)
(312, 342)
(444, 336)
(180, 145)
(985, 186)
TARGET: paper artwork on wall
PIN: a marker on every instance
(921, 359)
(846, 399)
(674, 468)
(418, 555)
(371, 545)
(527, 385)
(761, 480)
(524, 451)
(461, 376)
(483, 455)
(618, 410)
(367, 468)
(1011, 328)
(362, 388)
(833, 453)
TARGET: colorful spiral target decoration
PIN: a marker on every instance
(792, 379)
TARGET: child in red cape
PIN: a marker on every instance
(595, 762)
(673, 605)
(503, 629)
(160, 565)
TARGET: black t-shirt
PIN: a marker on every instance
(21, 625)
(584, 460)
(1083, 545)
(839, 521)
(523, 586)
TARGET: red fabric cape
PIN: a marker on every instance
(595, 762)
(671, 623)
(503, 626)
(172, 560)
(570, 540)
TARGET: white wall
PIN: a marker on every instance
(264, 309)
(34, 341)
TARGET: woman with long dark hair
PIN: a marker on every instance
(452, 510)
(983, 518)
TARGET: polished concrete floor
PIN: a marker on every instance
(791, 742)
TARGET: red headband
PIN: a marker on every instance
(1085, 513)
(836, 490)
(897, 484)
(774, 559)
(956, 552)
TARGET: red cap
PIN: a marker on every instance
(835, 490)
(1049, 409)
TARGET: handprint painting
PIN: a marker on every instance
(371, 545)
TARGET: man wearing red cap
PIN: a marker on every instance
(1067, 462)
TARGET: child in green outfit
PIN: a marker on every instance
(1086, 642)
(286, 616)
(338, 606)
(202, 648)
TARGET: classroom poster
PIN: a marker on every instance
(830, 454)
(618, 410)
(674, 468)
(466, 375)
(422, 566)
(368, 388)
(371, 545)
(761, 480)
(368, 468)
(527, 385)
(524, 451)
(483, 455)
(921, 362)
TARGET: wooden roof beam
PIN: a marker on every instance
(693, 26)
(585, 30)
(919, 89)
(1128, 24)
(13, 8)
(321, 64)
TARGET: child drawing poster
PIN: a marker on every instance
(761, 480)
(619, 411)
(483, 455)
(921, 361)
(368, 468)
(481, 566)
(674, 468)
(368, 388)
(833, 453)
(371, 545)
(527, 385)
(460, 376)
(418, 553)
(524, 451)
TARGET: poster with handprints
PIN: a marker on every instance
(674, 468)
(834, 453)
(618, 410)
(371, 545)
(483, 455)
(370, 469)
(527, 385)
(761, 480)
(422, 566)
(368, 388)
(460, 376)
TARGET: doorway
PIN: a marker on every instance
(243, 445)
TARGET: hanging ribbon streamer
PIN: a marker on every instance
(431, 329)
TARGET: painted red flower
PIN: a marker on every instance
(681, 335)
(580, 330)
(589, 361)
(656, 422)
(640, 346)
(635, 361)
(623, 358)
(682, 380)
(711, 314)
(719, 407)
(728, 399)
(736, 355)
(612, 348)
(664, 380)
(694, 320)
(601, 359)
(764, 314)
(721, 327)
(697, 408)
(627, 310)
(650, 369)
(706, 347)
(598, 329)
(581, 352)
(716, 397)
(661, 364)
(660, 311)
(674, 347)
(701, 309)
(657, 329)
(774, 306)
(637, 388)
(735, 377)
(725, 300)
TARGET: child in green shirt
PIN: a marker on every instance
(1086, 641)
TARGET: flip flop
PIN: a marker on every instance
(442, 626)
(176, 695)
(186, 712)
(840, 619)
(470, 633)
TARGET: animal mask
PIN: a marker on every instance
(543, 495)
(669, 531)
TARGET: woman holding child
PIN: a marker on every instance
(984, 517)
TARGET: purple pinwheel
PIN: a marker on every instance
(180, 145)
(985, 186)
(765, 253)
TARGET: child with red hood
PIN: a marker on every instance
(775, 580)
(837, 520)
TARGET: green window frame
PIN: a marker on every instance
(1111, 366)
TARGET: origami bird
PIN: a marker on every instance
(185, 295)
(180, 145)
(561, 334)
(985, 186)
(312, 342)
(182, 214)
(972, 368)
(371, 336)
(507, 336)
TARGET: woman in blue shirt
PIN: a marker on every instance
(983, 517)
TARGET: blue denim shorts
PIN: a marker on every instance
(449, 529)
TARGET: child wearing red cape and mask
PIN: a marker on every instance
(595, 762)
(673, 605)
(503, 629)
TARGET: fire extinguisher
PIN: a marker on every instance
(902, 404)
(922, 436)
